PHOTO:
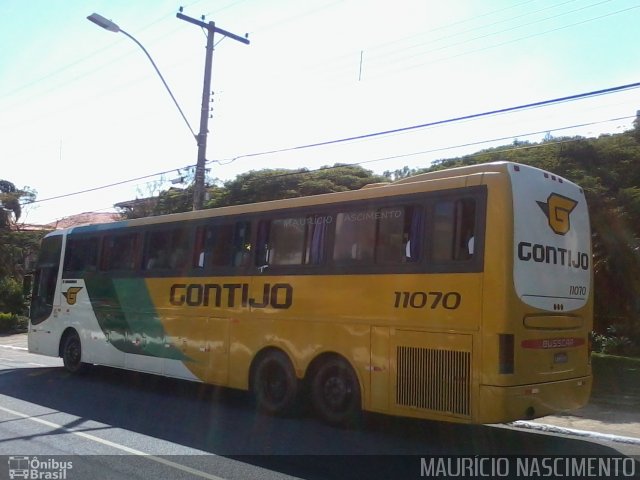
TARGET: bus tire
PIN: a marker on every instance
(335, 392)
(274, 384)
(72, 353)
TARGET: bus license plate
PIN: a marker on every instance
(560, 357)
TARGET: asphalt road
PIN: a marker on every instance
(114, 424)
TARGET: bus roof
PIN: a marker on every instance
(407, 185)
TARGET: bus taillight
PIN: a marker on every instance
(505, 352)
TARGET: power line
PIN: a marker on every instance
(453, 147)
(377, 57)
(82, 75)
(392, 157)
(102, 187)
(95, 53)
(348, 57)
(457, 34)
(377, 134)
(526, 106)
(526, 37)
(186, 193)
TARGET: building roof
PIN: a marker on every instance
(86, 218)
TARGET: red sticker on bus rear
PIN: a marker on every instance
(565, 342)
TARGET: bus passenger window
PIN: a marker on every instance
(241, 244)
(166, 249)
(214, 246)
(412, 233)
(119, 252)
(391, 241)
(399, 234)
(316, 234)
(81, 255)
(385, 236)
(288, 236)
(292, 241)
(355, 237)
(200, 255)
(454, 227)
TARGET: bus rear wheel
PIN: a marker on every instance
(335, 393)
(274, 384)
(72, 353)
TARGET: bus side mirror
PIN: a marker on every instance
(27, 283)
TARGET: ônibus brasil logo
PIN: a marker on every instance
(35, 468)
(557, 209)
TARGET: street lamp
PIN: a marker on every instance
(113, 27)
(201, 138)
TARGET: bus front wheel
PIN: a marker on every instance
(274, 384)
(335, 392)
(72, 353)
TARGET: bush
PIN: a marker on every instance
(10, 322)
(11, 296)
(618, 340)
(22, 323)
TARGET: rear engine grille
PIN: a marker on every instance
(434, 379)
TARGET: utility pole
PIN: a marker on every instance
(210, 27)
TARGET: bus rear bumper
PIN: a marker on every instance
(505, 404)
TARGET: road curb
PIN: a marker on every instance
(543, 427)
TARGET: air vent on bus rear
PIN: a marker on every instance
(434, 379)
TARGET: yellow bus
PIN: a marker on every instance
(462, 295)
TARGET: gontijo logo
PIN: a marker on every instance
(72, 295)
(558, 210)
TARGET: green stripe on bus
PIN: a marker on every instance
(128, 317)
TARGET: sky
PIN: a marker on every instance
(82, 108)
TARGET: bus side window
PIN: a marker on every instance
(454, 230)
(317, 227)
(201, 255)
(292, 241)
(399, 234)
(166, 249)
(119, 252)
(214, 246)
(355, 237)
(413, 233)
(390, 238)
(466, 223)
(45, 278)
(241, 244)
(81, 255)
(263, 246)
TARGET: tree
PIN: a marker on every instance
(16, 247)
(400, 173)
(9, 203)
(274, 184)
